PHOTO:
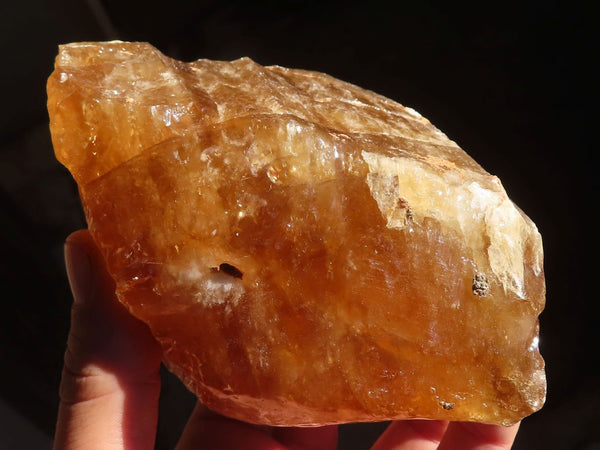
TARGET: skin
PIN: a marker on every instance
(110, 387)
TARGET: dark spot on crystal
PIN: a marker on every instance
(403, 204)
(230, 270)
(447, 405)
(481, 287)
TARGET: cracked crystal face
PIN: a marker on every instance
(306, 251)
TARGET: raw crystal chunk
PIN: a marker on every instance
(306, 251)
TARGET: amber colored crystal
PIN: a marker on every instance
(305, 251)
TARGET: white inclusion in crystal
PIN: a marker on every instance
(169, 78)
(177, 156)
(534, 344)
(176, 112)
(273, 175)
(167, 116)
(293, 128)
(64, 77)
(219, 288)
(156, 113)
(212, 288)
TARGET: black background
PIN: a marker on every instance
(513, 84)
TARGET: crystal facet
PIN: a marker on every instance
(305, 251)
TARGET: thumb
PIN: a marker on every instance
(110, 383)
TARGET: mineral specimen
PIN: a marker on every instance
(305, 251)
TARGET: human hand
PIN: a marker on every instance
(110, 387)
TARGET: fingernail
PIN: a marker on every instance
(77, 262)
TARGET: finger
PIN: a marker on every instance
(206, 430)
(313, 438)
(412, 435)
(478, 436)
(110, 383)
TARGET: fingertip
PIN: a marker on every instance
(207, 430)
(79, 237)
(471, 436)
(413, 433)
(79, 274)
(102, 329)
(87, 272)
(82, 261)
(316, 438)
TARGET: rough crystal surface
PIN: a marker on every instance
(306, 251)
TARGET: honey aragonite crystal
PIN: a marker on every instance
(306, 251)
